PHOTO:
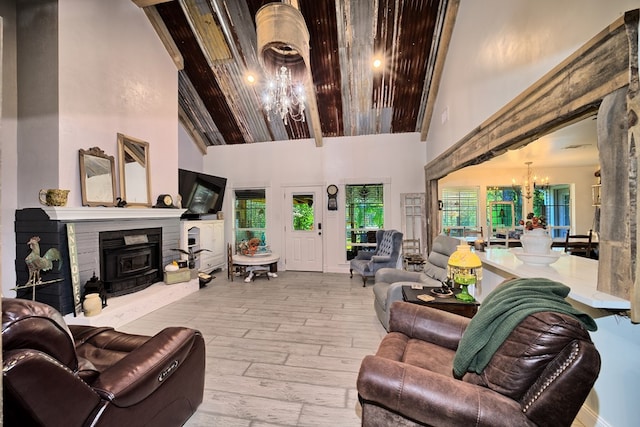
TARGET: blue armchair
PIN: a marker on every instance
(387, 254)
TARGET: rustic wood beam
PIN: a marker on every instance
(441, 49)
(188, 126)
(147, 3)
(570, 91)
(162, 31)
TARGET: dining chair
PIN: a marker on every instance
(412, 257)
(578, 244)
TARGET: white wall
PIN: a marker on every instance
(109, 84)
(8, 146)
(498, 49)
(395, 160)
(189, 156)
(107, 79)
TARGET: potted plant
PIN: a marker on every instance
(191, 255)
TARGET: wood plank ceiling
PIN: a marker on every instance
(213, 43)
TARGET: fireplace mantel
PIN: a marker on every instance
(75, 214)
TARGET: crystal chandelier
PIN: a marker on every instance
(284, 98)
(531, 182)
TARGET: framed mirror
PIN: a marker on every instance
(97, 178)
(133, 158)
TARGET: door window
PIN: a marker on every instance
(303, 215)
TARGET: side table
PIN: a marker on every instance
(451, 304)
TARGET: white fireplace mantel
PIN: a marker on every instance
(75, 214)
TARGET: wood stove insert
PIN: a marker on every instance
(130, 260)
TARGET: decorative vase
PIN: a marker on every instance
(536, 241)
(92, 305)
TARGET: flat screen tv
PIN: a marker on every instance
(201, 194)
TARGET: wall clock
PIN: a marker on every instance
(332, 192)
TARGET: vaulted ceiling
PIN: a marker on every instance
(213, 43)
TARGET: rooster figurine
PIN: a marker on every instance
(37, 263)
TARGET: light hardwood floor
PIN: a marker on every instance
(280, 352)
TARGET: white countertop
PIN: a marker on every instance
(580, 274)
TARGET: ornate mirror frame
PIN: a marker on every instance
(134, 168)
(602, 74)
(97, 178)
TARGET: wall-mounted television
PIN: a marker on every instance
(201, 194)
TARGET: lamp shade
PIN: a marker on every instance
(463, 260)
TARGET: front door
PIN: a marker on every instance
(303, 229)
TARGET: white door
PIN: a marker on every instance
(303, 229)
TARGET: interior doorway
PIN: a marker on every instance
(303, 228)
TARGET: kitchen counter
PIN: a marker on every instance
(580, 274)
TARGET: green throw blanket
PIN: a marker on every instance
(502, 311)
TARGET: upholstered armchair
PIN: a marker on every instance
(388, 289)
(540, 375)
(386, 254)
(59, 375)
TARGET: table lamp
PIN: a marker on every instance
(464, 268)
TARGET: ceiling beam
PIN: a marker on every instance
(440, 49)
(147, 3)
(188, 126)
(161, 29)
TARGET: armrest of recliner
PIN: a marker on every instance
(45, 389)
(393, 275)
(432, 398)
(144, 370)
(427, 324)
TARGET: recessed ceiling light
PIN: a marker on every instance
(251, 78)
(377, 63)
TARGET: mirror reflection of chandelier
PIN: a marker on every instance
(531, 182)
(284, 97)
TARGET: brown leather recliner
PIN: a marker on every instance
(59, 375)
(539, 376)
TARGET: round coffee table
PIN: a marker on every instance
(266, 260)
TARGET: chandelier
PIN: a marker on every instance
(532, 182)
(284, 98)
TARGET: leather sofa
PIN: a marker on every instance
(59, 375)
(387, 288)
(539, 376)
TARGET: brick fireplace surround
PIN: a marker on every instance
(50, 224)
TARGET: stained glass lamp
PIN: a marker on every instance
(464, 268)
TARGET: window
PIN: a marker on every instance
(250, 215)
(506, 194)
(364, 205)
(459, 210)
(303, 212)
(554, 203)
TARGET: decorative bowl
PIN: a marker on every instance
(536, 259)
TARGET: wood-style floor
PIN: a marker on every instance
(280, 352)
